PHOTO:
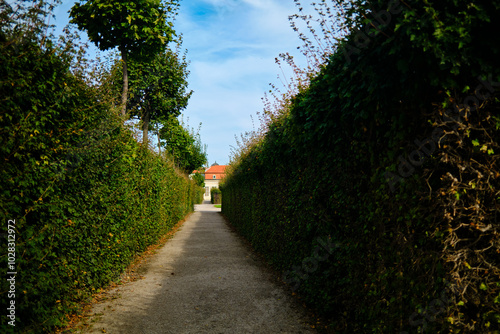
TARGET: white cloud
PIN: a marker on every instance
(232, 45)
(258, 3)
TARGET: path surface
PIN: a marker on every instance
(204, 280)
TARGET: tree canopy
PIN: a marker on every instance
(183, 144)
(139, 28)
(158, 88)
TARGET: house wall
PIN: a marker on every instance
(210, 184)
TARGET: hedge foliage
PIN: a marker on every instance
(86, 197)
(377, 192)
(215, 196)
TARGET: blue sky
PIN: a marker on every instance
(232, 46)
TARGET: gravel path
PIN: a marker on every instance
(204, 280)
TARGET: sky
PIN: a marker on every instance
(232, 46)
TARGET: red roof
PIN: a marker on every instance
(218, 171)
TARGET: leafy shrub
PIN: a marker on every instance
(215, 196)
(200, 194)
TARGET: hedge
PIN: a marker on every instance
(85, 196)
(215, 196)
(377, 193)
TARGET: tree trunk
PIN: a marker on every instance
(125, 82)
(145, 127)
(158, 135)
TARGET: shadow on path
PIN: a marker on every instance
(204, 280)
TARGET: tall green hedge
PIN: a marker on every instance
(85, 196)
(377, 194)
(215, 196)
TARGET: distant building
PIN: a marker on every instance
(213, 176)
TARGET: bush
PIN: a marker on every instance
(200, 194)
(215, 196)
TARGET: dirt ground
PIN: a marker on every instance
(203, 280)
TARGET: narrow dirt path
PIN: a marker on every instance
(204, 280)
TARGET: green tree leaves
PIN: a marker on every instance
(139, 29)
(183, 145)
(158, 88)
(199, 179)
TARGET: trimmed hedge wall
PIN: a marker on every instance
(86, 198)
(377, 194)
(200, 193)
(215, 196)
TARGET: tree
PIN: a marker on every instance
(183, 145)
(158, 88)
(199, 179)
(139, 29)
